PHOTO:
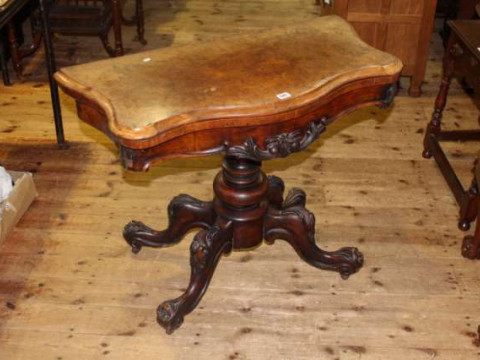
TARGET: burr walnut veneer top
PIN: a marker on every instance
(251, 75)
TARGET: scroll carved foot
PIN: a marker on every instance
(184, 213)
(205, 251)
(296, 225)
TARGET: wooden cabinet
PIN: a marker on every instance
(400, 27)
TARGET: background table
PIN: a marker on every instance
(462, 58)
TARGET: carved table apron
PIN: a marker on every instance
(255, 97)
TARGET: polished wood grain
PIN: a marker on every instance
(235, 77)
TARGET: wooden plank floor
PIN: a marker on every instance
(71, 289)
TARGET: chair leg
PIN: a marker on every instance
(14, 49)
(468, 209)
(471, 244)
(117, 27)
(140, 22)
(4, 68)
(33, 47)
(435, 124)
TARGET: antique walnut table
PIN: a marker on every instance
(254, 97)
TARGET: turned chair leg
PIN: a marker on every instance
(296, 225)
(205, 251)
(184, 213)
(434, 126)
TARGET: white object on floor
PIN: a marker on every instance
(6, 184)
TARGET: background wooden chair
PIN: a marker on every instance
(95, 18)
(84, 18)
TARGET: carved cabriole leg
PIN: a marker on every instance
(296, 225)
(205, 251)
(434, 127)
(184, 213)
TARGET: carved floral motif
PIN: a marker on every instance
(280, 145)
(200, 249)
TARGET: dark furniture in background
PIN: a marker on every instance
(457, 9)
(17, 49)
(80, 17)
(462, 58)
(95, 18)
(3, 64)
(255, 98)
(471, 243)
(7, 13)
(400, 27)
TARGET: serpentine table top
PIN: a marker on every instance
(255, 97)
(209, 96)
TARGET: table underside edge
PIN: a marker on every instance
(216, 137)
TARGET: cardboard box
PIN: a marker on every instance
(17, 203)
